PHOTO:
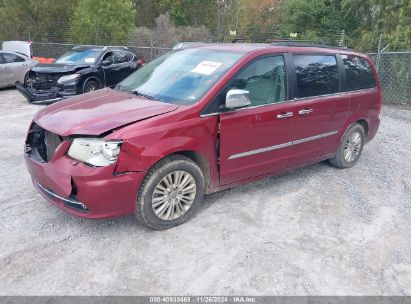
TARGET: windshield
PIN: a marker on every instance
(181, 77)
(79, 57)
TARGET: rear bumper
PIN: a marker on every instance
(84, 191)
(48, 97)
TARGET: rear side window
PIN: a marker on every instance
(316, 75)
(121, 57)
(129, 56)
(10, 58)
(358, 73)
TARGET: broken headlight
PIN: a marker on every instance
(95, 151)
(67, 78)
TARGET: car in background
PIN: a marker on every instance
(82, 69)
(14, 67)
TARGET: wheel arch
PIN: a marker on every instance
(199, 159)
(361, 120)
(201, 162)
(92, 77)
(364, 124)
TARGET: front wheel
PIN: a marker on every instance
(90, 86)
(350, 147)
(170, 194)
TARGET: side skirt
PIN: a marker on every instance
(275, 173)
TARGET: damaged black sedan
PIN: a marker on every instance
(81, 70)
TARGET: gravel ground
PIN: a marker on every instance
(313, 231)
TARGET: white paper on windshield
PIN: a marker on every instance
(206, 67)
(89, 60)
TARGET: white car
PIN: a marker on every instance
(14, 67)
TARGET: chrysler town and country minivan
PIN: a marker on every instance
(199, 120)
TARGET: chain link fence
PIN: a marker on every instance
(394, 72)
(394, 68)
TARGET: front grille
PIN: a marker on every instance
(52, 142)
(41, 144)
(43, 80)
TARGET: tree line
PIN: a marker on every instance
(354, 23)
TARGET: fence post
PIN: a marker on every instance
(151, 48)
(378, 53)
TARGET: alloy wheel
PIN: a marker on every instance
(174, 195)
(91, 87)
(352, 146)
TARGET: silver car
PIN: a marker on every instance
(14, 67)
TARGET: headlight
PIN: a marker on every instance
(95, 151)
(68, 78)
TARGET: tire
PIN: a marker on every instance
(90, 85)
(350, 148)
(26, 78)
(164, 209)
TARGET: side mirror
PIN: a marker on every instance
(105, 63)
(236, 99)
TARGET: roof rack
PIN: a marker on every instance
(306, 44)
(188, 44)
(115, 47)
(237, 39)
(85, 46)
(100, 46)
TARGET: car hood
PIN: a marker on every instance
(57, 68)
(98, 112)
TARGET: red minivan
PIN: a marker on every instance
(198, 120)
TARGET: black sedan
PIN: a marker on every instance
(81, 70)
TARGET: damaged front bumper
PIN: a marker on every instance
(44, 97)
(75, 187)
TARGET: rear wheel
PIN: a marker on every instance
(90, 85)
(350, 147)
(170, 194)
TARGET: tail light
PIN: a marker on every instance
(140, 62)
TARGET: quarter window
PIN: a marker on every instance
(358, 73)
(316, 75)
(264, 79)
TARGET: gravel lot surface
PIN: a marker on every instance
(314, 231)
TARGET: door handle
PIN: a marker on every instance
(305, 111)
(25, 63)
(284, 115)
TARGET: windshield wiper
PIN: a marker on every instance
(135, 92)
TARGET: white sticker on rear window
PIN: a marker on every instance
(89, 60)
(206, 67)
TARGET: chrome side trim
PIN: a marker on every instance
(303, 140)
(262, 150)
(54, 195)
(275, 147)
(296, 100)
(207, 115)
(246, 108)
(342, 93)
